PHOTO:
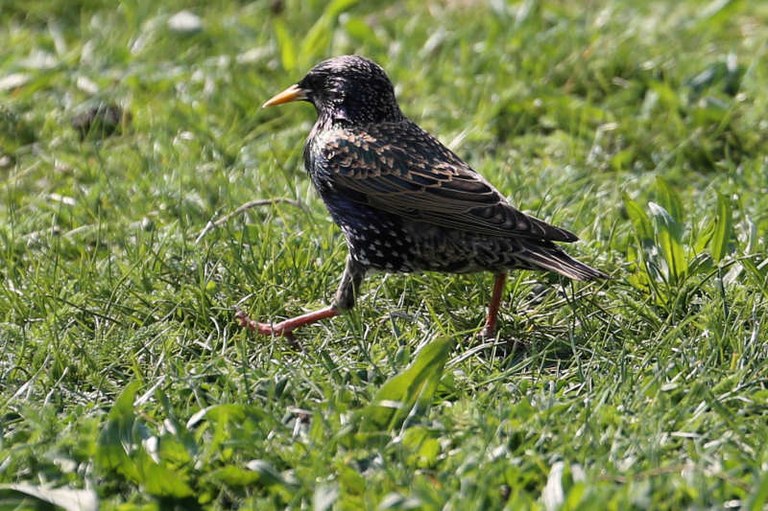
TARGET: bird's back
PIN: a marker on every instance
(398, 168)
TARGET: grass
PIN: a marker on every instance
(125, 383)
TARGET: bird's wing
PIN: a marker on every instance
(401, 169)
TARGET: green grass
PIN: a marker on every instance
(639, 126)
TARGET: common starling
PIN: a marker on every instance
(403, 200)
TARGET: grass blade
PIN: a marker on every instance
(285, 43)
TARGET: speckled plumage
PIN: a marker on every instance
(392, 182)
(404, 201)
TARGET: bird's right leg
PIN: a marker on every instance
(489, 331)
(344, 300)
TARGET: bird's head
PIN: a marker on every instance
(349, 89)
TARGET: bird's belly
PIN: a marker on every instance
(381, 245)
(387, 242)
(453, 251)
(395, 245)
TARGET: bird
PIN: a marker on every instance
(403, 200)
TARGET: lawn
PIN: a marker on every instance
(125, 382)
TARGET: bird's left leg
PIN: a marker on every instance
(489, 331)
(343, 300)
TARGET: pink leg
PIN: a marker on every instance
(342, 301)
(284, 328)
(493, 308)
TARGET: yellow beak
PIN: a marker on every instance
(292, 93)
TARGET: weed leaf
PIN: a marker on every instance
(669, 234)
(723, 228)
(414, 387)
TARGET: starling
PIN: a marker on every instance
(404, 201)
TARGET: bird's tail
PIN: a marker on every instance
(552, 258)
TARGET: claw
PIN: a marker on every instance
(279, 330)
(245, 321)
(263, 328)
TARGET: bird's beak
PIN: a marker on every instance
(292, 93)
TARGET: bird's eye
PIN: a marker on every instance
(335, 84)
(335, 88)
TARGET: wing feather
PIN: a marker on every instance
(401, 169)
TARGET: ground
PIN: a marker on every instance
(125, 382)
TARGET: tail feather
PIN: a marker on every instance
(554, 259)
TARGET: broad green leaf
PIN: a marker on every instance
(118, 438)
(161, 481)
(670, 200)
(669, 236)
(639, 276)
(723, 228)
(173, 450)
(423, 448)
(413, 387)
(121, 448)
(351, 480)
(640, 221)
(704, 236)
(226, 422)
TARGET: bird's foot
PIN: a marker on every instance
(285, 328)
(278, 330)
(488, 333)
(262, 328)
